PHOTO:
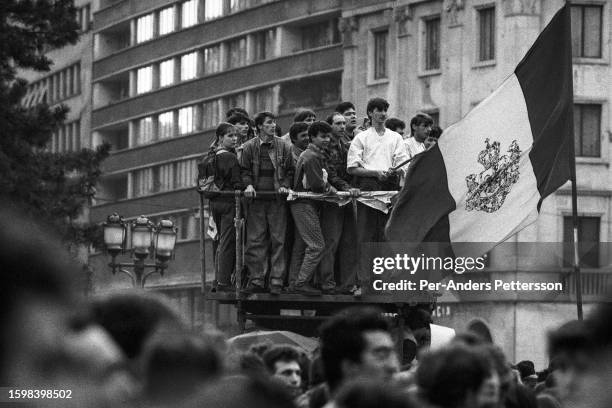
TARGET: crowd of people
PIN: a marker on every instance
(306, 246)
(130, 349)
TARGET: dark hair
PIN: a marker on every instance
(317, 127)
(222, 130)
(280, 353)
(303, 114)
(132, 318)
(232, 111)
(344, 106)
(296, 129)
(176, 366)
(261, 117)
(238, 117)
(572, 337)
(376, 103)
(445, 376)
(278, 131)
(420, 118)
(342, 338)
(436, 132)
(394, 124)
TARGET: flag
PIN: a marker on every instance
(488, 175)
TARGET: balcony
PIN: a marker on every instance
(209, 32)
(308, 63)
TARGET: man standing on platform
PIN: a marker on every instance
(266, 166)
(371, 157)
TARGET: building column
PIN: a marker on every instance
(453, 65)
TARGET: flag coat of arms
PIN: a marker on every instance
(486, 178)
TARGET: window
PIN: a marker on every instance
(144, 132)
(67, 138)
(166, 21)
(432, 43)
(144, 28)
(211, 114)
(144, 80)
(264, 45)
(165, 178)
(380, 54)
(486, 34)
(237, 5)
(587, 129)
(189, 13)
(186, 173)
(189, 66)
(586, 30)
(213, 9)
(83, 17)
(236, 100)
(263, 99)
(166, 125)
(236, 53)
(588, 241)
(166, 73)
(320, 34)
(186, 120)
(143, 182)
(212, 59)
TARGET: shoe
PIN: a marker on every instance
(225, 288)
(358, 292)
(330, 291)
(252, 289)
(306, 290)
(275, 290)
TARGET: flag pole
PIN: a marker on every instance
(576, 255)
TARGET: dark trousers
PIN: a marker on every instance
(223, 213)
(348, 251)
(370, 228)
(266, 228)
(332, 219)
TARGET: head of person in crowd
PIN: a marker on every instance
(234, 110)
(420, 126)
(283, 363)
(319, 134)
(396, 125)
(527, 372)
(176, 366)
(265, 123)
(246, 363)
(226, 136)
(48, 338)
(570, 349)
(132, 318)
(238, 391)
(357, 343)
(434, 136)
(305, 115)
(243, 126)
(298, 132)
(376, 110)
(452, 376)
(338, 123)
(372, 394)
(347, 109)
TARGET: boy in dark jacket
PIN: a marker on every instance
(313, 174)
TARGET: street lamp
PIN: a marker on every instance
(144, 236)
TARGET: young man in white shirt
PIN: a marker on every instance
(371, 157)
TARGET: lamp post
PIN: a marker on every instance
(145, 236)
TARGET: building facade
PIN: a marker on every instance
(443, 58)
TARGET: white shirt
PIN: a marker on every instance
(375, 152)
(413, 146)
